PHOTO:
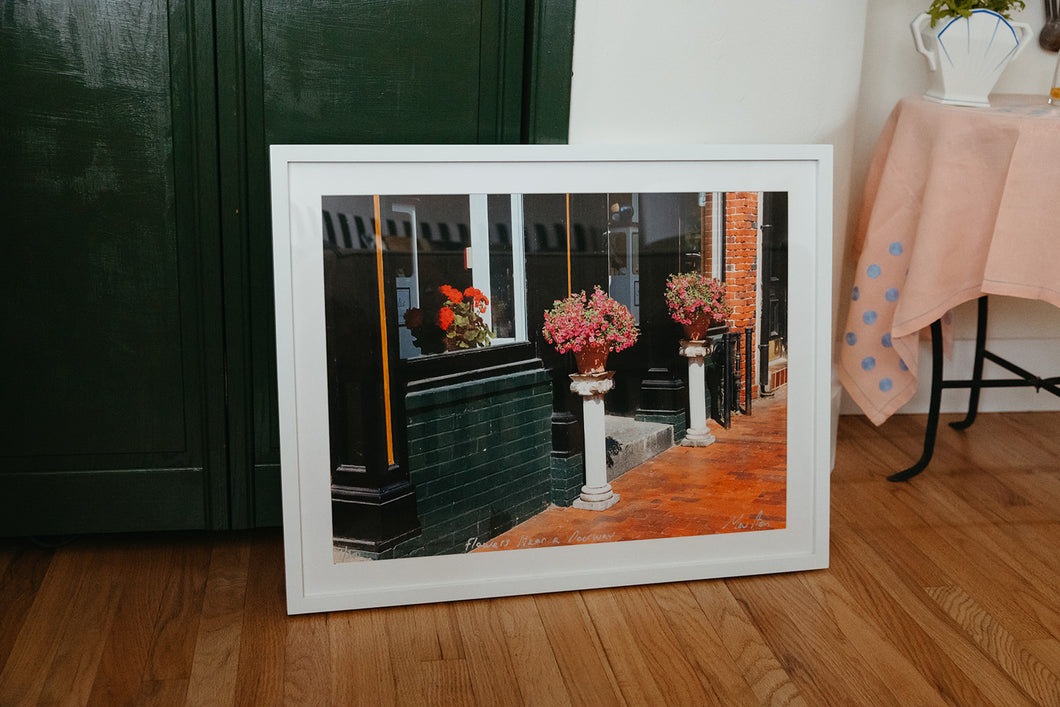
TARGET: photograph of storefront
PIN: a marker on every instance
(453, 423)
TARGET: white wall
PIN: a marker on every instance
(707, 71)
(776, 71)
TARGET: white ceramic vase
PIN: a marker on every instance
(967, 55)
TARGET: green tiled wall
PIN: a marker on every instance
(479, 457)
(568, 477)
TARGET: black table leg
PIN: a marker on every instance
(977, 368)
(933, 410)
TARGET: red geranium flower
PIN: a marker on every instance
(446, 317)
(451, 293)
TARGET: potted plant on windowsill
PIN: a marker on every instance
(968, 43)
(456, 323)
(590, 326)
(696, 302)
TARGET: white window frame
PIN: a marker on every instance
(480, 261)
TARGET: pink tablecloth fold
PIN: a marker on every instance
(959, 202)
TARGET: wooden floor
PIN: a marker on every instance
(941, 591)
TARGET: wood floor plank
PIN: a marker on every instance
(938, 645)
(1047, 651)
(576, 646)
(145, 565)
(162, 693)
(966, 569)
(23, 677)
(437, 683)
(873, 642)
(661, 649)
(699, 641)
(173, 635)
(639, 686)
(1040, 483)
(1032, 598)
(489, 663)
(307, 661)
(423, 633)
(216, 660)
(81, 644)
(259, 680)
(1023, 667)
(362, 669)
(746, 645)
(24, 570)
(788, 614)
(893, 599)
(533, 661)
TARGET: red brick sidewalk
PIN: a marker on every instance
(737, 484)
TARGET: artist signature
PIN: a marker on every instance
(523, 541)
(743, 522)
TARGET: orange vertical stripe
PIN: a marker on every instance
(569, 290)
(382, 328)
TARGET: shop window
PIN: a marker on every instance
(437, 244)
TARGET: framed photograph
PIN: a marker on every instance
(439, 441)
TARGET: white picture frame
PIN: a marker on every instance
(302, 175)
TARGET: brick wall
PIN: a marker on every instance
(706, 230)
(741, 266)
(479, 457)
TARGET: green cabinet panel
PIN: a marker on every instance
(106, 374)
(409, 71)
(92, 326)
(138, 358)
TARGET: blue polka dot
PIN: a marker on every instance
(856, 294)
(891, 294)
(886, 384)
(868, 363)
(886, 340)
(869, 317)
(852, 338)
(901, 364)
(895, 249)
(874, 271)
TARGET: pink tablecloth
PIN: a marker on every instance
(959, 202)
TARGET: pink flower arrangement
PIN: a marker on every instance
(580, 321)
(689, 295)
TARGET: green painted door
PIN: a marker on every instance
(113, 386)
(139, 371)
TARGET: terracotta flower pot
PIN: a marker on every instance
(592, 358)
(697, 330)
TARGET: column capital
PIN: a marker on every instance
(590, 384)
(695, 349)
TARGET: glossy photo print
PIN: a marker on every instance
(524, 369)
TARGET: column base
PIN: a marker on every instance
(595, 501)
(698, 438)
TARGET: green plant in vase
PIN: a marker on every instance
(940, 9)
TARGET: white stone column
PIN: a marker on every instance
(698, 434)
(596, 493)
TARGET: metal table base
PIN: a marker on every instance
(976, 383)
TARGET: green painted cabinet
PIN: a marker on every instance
(138, 362)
